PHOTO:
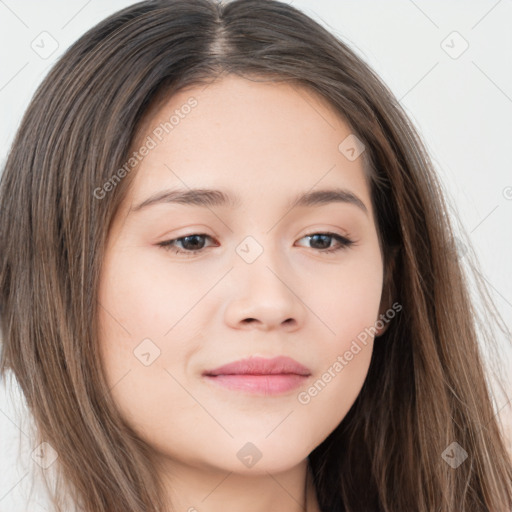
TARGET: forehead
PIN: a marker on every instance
(262, 138)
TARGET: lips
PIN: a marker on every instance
(260, 366)
(259, 376)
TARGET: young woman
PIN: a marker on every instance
(228, 278)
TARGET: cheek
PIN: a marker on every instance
(344, 353)
(130, 295)
(140, 300)
(145, 336)
(346, 298)
(347, 312)
(126, 314)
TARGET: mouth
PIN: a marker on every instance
(258, 375)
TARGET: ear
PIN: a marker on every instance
(388, 287)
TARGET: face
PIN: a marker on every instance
(189, 285)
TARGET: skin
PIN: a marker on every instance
(265, 142)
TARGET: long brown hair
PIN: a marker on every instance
(427, 386)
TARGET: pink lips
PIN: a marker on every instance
(259, 375)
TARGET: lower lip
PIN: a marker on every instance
(259, 384)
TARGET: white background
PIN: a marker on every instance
(462, 106)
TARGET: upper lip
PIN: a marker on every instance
(260, 366)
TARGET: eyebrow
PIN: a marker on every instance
(210, 198)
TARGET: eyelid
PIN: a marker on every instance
(167, 244)
(343, 242)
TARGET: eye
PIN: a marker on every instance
(325, 240)
(193, 244)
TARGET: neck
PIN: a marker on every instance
(209, 489)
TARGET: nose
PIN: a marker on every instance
(264, 298)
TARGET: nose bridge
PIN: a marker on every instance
(261, 259)
(264, 293)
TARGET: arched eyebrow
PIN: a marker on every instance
(211, 198)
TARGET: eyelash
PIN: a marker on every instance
(343, 243)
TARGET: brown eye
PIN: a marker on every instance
(322, 242)
(190, 244)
